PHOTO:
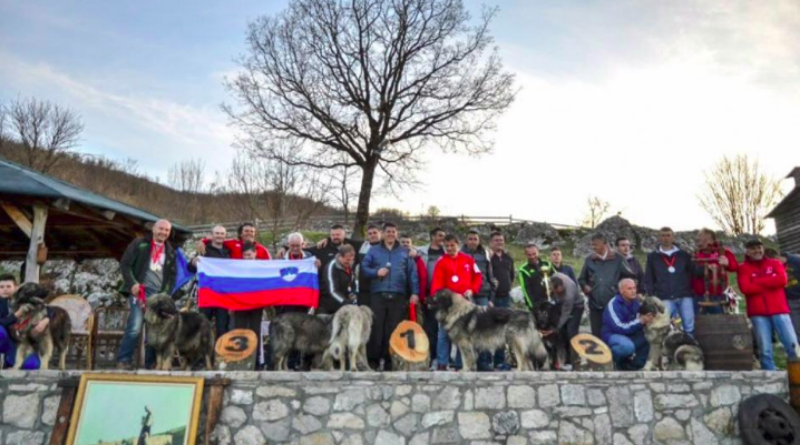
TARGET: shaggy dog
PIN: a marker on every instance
(683, 352)
(169, 330)
(309, 334)
(477, 329)
(546, 317)
(349, 336)
(31, 298)
(655, 332)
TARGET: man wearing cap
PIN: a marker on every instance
(668, 276)
(762, 280)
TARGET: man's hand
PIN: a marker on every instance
(352, 297)
(723, 261)
(382, 272)
(468, 294)
(646, 319)
(413, 253)
(317, 263)
(23, 310)
(587, 289)
(40, 327)
(414, 299)
(491, 303)
(135, 289)
(201, 248)
(194, 261)
(322, 243)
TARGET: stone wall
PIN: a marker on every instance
(439, 408)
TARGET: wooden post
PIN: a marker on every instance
(215, 398)
(64, 414)
(37, 237)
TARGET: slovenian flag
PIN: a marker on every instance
(250, 284)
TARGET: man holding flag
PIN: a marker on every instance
(148, 268)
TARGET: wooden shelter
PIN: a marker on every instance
(46, 218)
(787, 216)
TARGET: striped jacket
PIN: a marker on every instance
(338, 286)
(621, 317)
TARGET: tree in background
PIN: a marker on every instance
(189, 176)
(739, 195)
(370, 84)
(46, 131)
(596, 211)
(433, 213)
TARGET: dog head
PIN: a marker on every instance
(542, 316)
(30, 294)
(161, 307)
(443, 300)
(651, 305)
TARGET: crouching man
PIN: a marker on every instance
(623, 328)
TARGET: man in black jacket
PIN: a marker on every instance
(339, 281)
(599, 280)
(327, 249)
(148, 268)
(216, 249)
(668, 276)
(482, 257)
(504, 275)
(631, 267)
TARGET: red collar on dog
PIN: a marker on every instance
(23, 323)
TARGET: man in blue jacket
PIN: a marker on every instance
(623, 328)
(393, 277)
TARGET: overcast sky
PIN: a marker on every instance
(627, 100)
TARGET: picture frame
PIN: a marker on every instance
(124, 409)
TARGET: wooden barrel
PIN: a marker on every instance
(726, 341)
(793, 369)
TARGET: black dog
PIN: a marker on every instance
(546, 316)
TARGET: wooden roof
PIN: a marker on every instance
(80, 224)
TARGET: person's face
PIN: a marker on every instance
(406, 242)
(7, 289)
(249, 255)
(373, 235)
(532, 253)
(390, 234)
(451, 248)
(756, 252)
(704, 241)
(558, 289)
(348, 259)
(498, 243)
(295, 246)
(624, 247)
(666, 238)
(599, 246)
(555, 256)
(249, 234)
(337, 236)
(628, 290)
(218, 235)
(473, 241)
(438, 238)
(161, 231)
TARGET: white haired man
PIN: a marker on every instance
(623, 328)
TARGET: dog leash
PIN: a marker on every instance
(412, 312)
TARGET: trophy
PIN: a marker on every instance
(545, 270)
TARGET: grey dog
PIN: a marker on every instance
(168, 331)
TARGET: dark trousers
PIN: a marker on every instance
(364, 298)
(389, 310)
(431, 329)
(596, 320)
(220, 317)
(500, 354)
(250, 320)
(568, 331)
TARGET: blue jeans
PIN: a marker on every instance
(623, 348)
(9, 350)
(500, 354)
(684, 307)
(131, 337)
(443, 347)
(484, 358)
(763, 327)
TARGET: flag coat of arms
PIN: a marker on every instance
(240, 285)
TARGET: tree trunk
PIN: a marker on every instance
(364, 196)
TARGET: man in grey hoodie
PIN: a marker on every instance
(599, 278)
(431, 254)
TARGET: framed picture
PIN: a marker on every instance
(121, 409)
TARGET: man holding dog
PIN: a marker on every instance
(393, 277)
(339, 281)
(568, 311)
(8, 347)
(485, 296)
(599, 279)
(148, 268)
(668, 276)
(623, 328)
(762, 280)
(457, 272)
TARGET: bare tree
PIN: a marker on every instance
(596, 211)
(188, 177)
(280, 195)
(3, 123)
(739, 195)
(373, 80)
(46, 131)
(344, 188)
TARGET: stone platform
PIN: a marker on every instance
(438, 408)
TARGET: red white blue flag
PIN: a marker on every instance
(250, 284)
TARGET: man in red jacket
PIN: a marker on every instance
(762, 281)
(455, 271)
(247, 234)
(716, 262)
